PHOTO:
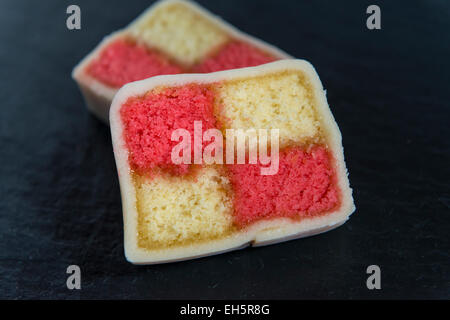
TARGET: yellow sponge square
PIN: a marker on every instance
(177, 210)
(278, 101)
(177, 30)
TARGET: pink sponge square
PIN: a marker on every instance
(303, 186)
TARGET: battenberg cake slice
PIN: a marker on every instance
(171, 37)
(175, 210)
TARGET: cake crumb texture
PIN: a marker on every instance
(303, 187)
(176, 210)
(180, 32)
(276, 101)
(235, 54)
(150, 120)
(124, 61)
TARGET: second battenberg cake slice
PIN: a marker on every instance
(195, 177)
(171, 37)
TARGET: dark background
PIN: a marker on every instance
(388, 90)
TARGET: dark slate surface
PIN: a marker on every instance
(389, 92)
